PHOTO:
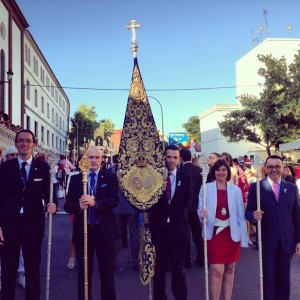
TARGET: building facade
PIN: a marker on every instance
(211, 138)
(248, 82)
(33, 99)
(247, 79)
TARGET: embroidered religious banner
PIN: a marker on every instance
(141, 160)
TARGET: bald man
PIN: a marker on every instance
(102, 197)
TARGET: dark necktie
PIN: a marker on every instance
(169, 188)
(24, 173)
(92, 213)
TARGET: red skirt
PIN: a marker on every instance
(221, 249)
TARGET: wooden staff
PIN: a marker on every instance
(202, 159)
(84, 166)
(258, 165)
(51, 161)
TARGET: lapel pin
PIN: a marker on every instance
(285, 190)
(179, 183)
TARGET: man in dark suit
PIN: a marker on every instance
(280, 227)
(169, 229)
(194, 222)
(24, 184)
(102, 229)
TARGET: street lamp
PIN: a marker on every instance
(162, 121)
(9, 77)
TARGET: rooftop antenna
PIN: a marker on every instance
(255, 41)
(289, 28)
(260, 30)
(265, 13)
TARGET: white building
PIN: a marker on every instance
(247, 78)
(247, 81)
(211, 138)
(33, 98)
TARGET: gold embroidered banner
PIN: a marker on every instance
(141, 166)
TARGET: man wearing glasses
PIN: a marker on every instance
(280, 227)
(102, 197)
(24, 184)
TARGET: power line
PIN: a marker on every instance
(149, 90)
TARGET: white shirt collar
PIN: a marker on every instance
(271, 181)
(29, 161)
(174, 172)
(96, 172)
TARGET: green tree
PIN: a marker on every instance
(82, 126)
(108, 127)
(88, 112)
(273, 117)
(192, 127)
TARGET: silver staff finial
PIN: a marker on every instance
(133, 25)
(203, 163)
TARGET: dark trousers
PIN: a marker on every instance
(276, 275)
(10, 261)
(105, 257)
(166, 248)
(196, 230)
(132, 221)
(55, 189)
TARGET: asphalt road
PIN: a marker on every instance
(63, 283)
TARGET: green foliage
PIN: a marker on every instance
(88, 112)
(192, 127)
(108, 127)
(274, 117)
(83, 125)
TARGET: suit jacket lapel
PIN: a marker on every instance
(283, 189)
(17, 171)
(230, 196)
(32, 170)
(213, 196)
(178, 178)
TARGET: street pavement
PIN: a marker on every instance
(63, 282)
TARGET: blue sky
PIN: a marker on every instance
(182, 45)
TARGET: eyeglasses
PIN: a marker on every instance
(273, 167)
(94, 157)
(27, 141)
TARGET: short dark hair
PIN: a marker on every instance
(218, 164)
(171, 147)
(25, 130)
(272, 157)
(228, 158)
(185, 154)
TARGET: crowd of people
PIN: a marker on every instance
(229, 210)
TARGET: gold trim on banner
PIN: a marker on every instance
(141, 169)
(147, 256)
(137, 90)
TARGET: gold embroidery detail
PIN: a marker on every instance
(137, 90)
(142, 173)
